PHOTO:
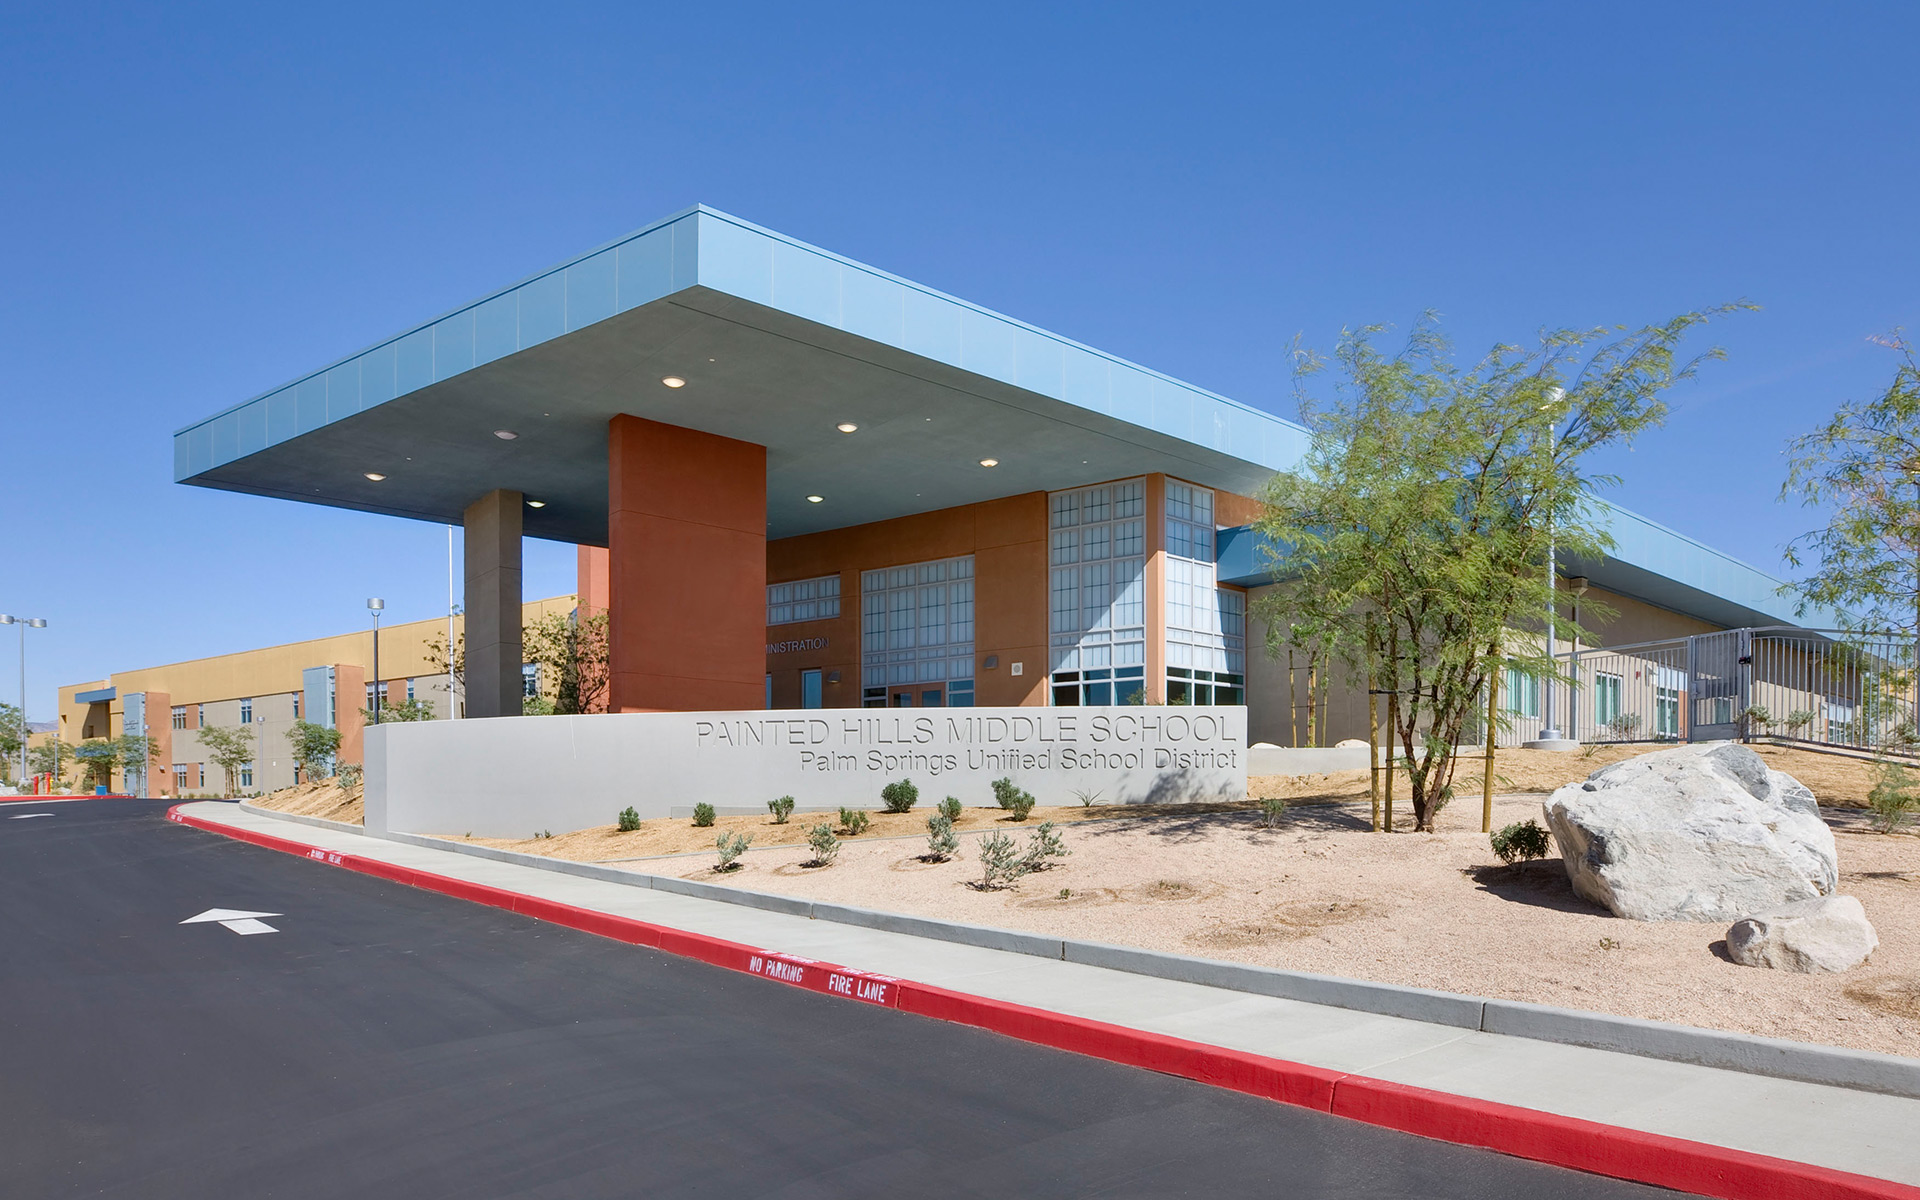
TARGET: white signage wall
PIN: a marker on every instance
(514, 776)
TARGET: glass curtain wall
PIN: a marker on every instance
(1206, 624)
(916, 635)
(1097, 594)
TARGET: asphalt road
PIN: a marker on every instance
(392, 1042)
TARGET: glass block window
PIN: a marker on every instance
(803, 600)
(916, 627)
(1096, 555)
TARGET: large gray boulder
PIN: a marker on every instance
(1831, 934)
(1698, 833)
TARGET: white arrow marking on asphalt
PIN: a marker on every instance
(27, 816)
(242, 923)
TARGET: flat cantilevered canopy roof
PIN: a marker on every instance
(778, 342)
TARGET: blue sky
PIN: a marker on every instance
(203, 202)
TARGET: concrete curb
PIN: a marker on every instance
(1570, 1142)
(1861, 1070)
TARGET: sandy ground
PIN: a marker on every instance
(1322, 893)
(323, 799)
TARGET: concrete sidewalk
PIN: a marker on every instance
(1837, 1128)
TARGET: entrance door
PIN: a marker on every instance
(1716, 685)
(810, 689)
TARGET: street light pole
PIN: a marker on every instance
(23, 623)
(374, 606)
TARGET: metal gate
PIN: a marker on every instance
(1717, 684)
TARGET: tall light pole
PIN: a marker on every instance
(24, 623)
(1550, 731)
(374, 606)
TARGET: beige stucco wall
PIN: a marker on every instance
(1344, 711)
(270, 676)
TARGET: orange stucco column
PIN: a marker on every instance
(687, 569)
(590, 579)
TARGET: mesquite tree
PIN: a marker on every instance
(1412, 540)
(1864, 466)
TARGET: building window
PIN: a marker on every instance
(1607, 690)
(409, 689)
(1096, 557)
(296, 706)
(378, 691)
(179, 716)
(803, 600)
(529, 680)
(179, 777)
(246, 775)
(1206, 623)
(916, 634)
(1523, 693)
(1666, 712)
(246, 710)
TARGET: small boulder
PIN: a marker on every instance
(1698, 833)
(1831, 934)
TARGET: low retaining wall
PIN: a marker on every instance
(515, 776)
(1305, 760)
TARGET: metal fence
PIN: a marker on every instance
(1819, 687)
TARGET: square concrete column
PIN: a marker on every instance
(493, 605)
(687, 569)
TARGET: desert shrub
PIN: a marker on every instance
(1272, 808)
(941, 843)
(629, 820)
(1000, 863)
(1043, 844)
(1521, 840)
(825, 845)
(1796, 722)
(1895, 793)
(731, 846)
(703, 814)
(950, 808)
(1015, 800)
(1624, 726)
(854, 822)
(899, 797)
(349, 776)
(781, 809)
(1087, 798)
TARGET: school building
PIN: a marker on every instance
(802, 482)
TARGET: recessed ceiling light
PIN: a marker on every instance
(375, 476)
(536, 504)
(847, 427)
(674, 381)
(505, 435)
(989, 462)
(815, 499)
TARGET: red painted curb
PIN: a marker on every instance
(1562, 1141)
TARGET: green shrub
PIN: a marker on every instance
(1043, 844)
(941, 843)
(781, 809)
(1000, 863)
(950, 808)
(731, 846)
(629, 820)
(899, 797)
(1272, 808)
(349, 776)
(1016, 801)
(703, 814)
(1895, 793)
(825, 845)
(854, 822)
(1522, 840)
